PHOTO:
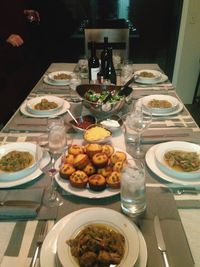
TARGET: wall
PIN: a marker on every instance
(187, 62)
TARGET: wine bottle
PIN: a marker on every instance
(93, 64)
(110, 73)
(104, 58)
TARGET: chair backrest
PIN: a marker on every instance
(117, 38)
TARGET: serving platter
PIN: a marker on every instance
(151, 163)
(64, 108)
(48, 255)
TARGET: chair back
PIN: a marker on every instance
(117, 38)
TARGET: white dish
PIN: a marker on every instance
(174, 103)
(51, 77)
(50, 98)
(154, 75)
(161, 79)
(28, 178)
(23, 147)
(49, 247)
(86, 193)
(96, 215)
(178, 109)
(61, 111)
(151, 163)
(180, 146)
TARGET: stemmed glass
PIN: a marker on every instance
(138, 121)
(56, 143)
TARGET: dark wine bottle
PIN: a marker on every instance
(110, 73)
(93, 64)
(104, 58)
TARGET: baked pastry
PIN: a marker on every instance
(75, 149)
(91, 149)
(100, 160)
(81, 161)
(78, 179)
(117, 156)
(118, 166)
(89, 169)
(113, 180)
(105, 171)
(66, 170)
(97, 182)
(107, 149)
(68, 158)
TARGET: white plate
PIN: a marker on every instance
(49, 247)
(181, 146)
(50, 98)
(51, 78)
(18, 146)
(174, 102)
(178, 109)
(104, 216)
(161, 79)
(87, 193)
(156, 75)
(28, 178)
(63, 110)
(151, 163)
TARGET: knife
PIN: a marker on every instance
(160, 240)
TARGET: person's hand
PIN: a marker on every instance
(32, 15)
(15, 40)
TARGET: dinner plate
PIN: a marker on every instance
(23, 147)
(108, 217)
(161, 79)
(28, 178)
(30, 105)
(178, 109)
(49, 247)
(63, 110)
(151, 163)
(180, 146)
(174, 103)
(85, 192)
(52, 79)
(154, 75)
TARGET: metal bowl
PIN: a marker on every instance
(100, 110)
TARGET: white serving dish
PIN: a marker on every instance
(51, 77)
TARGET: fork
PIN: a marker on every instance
(41, 237)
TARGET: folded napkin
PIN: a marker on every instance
(28, 124)
(20, 203)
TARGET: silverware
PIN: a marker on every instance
(184, 190)
(40, 240)
(160, 240)
(166, 135)
(19, 203)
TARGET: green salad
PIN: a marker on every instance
(95, 97)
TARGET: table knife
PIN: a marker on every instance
(160, 240)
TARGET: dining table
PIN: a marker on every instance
(179, 211)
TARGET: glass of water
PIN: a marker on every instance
(133, 200)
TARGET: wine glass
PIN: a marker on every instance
(138, 121)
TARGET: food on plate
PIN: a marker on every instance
(99, 98)
(182, 161)
(155, 103)
(146, 74)
(96, 133)
(97, 182)
(98, 245)
(62, 76)
(78, 179)
(66, 170)
(44, 104)
(75, 149)
(92, 161)
(100, 160)
(113, 180)
(15, 161)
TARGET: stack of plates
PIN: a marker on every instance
(55, 248)
(149, 77)
(156, 162)
(58, 78)
(175, 106)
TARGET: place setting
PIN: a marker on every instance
(58, 78)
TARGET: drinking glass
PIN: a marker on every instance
(52, 121)
(126, 71)
(83, 68)
(138, 121)
(132, 192)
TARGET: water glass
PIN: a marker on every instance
(83, 68)
(126, 71)
(54, 121)
(133, 200)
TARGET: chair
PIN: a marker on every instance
(118, 39)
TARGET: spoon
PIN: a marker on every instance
(72, 116)
(186, 191)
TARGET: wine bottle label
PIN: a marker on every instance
(94, 72)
